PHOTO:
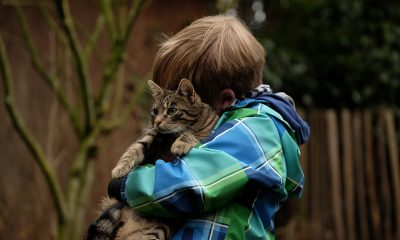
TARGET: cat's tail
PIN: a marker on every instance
(108, 223)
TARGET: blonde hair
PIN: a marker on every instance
(215, 53)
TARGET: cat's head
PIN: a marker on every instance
(175, 111)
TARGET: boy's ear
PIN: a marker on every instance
(155, 89)
(186, 88)
(226, 98)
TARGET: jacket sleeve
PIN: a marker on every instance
(240, 152)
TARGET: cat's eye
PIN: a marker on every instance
(171, 111)
(154, 111)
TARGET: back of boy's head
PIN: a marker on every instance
(215, 53)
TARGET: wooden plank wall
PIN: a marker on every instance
(352, 168)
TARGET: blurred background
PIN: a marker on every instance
(73, 92)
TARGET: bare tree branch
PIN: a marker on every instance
(116, 58)
(51, 80)
(44, 11)
(119, 90)
(71, 207)
(31, 143)
(106, 7)
(80, 62)
(81, 175)
(95, 36)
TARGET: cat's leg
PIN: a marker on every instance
(134, 155)
(184, 143)
(120, 222)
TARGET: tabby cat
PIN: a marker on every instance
(179, 121)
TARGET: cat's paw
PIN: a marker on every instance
(121, 170)
(131, 158)
(180, 147)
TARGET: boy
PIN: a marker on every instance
(231, 185)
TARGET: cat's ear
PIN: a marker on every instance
(155, 89)
(186, 89)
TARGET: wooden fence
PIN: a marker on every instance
(352, 186)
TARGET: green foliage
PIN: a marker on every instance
(334, 53)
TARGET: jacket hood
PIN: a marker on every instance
(284, 105)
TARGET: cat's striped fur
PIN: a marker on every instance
(179, 121)
(180, 113)
(120, 222)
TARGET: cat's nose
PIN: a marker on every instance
(157, 121)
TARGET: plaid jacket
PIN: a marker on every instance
(231, 185)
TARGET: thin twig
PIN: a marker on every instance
(81, 171)
(122, 13)
(94, 37)
(31, 143)
(80, 63)
(106, 7)
(51, 22)
(51, 80)
(119, 90)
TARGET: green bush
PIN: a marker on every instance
(332, 53)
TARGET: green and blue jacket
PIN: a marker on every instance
(231, 185)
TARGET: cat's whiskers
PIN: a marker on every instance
(176, 131)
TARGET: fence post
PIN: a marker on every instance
(348, 169)
(374, 213)
(360, 176)
(315, 195)
(394, 166)
(334, 166)
(383, 168)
